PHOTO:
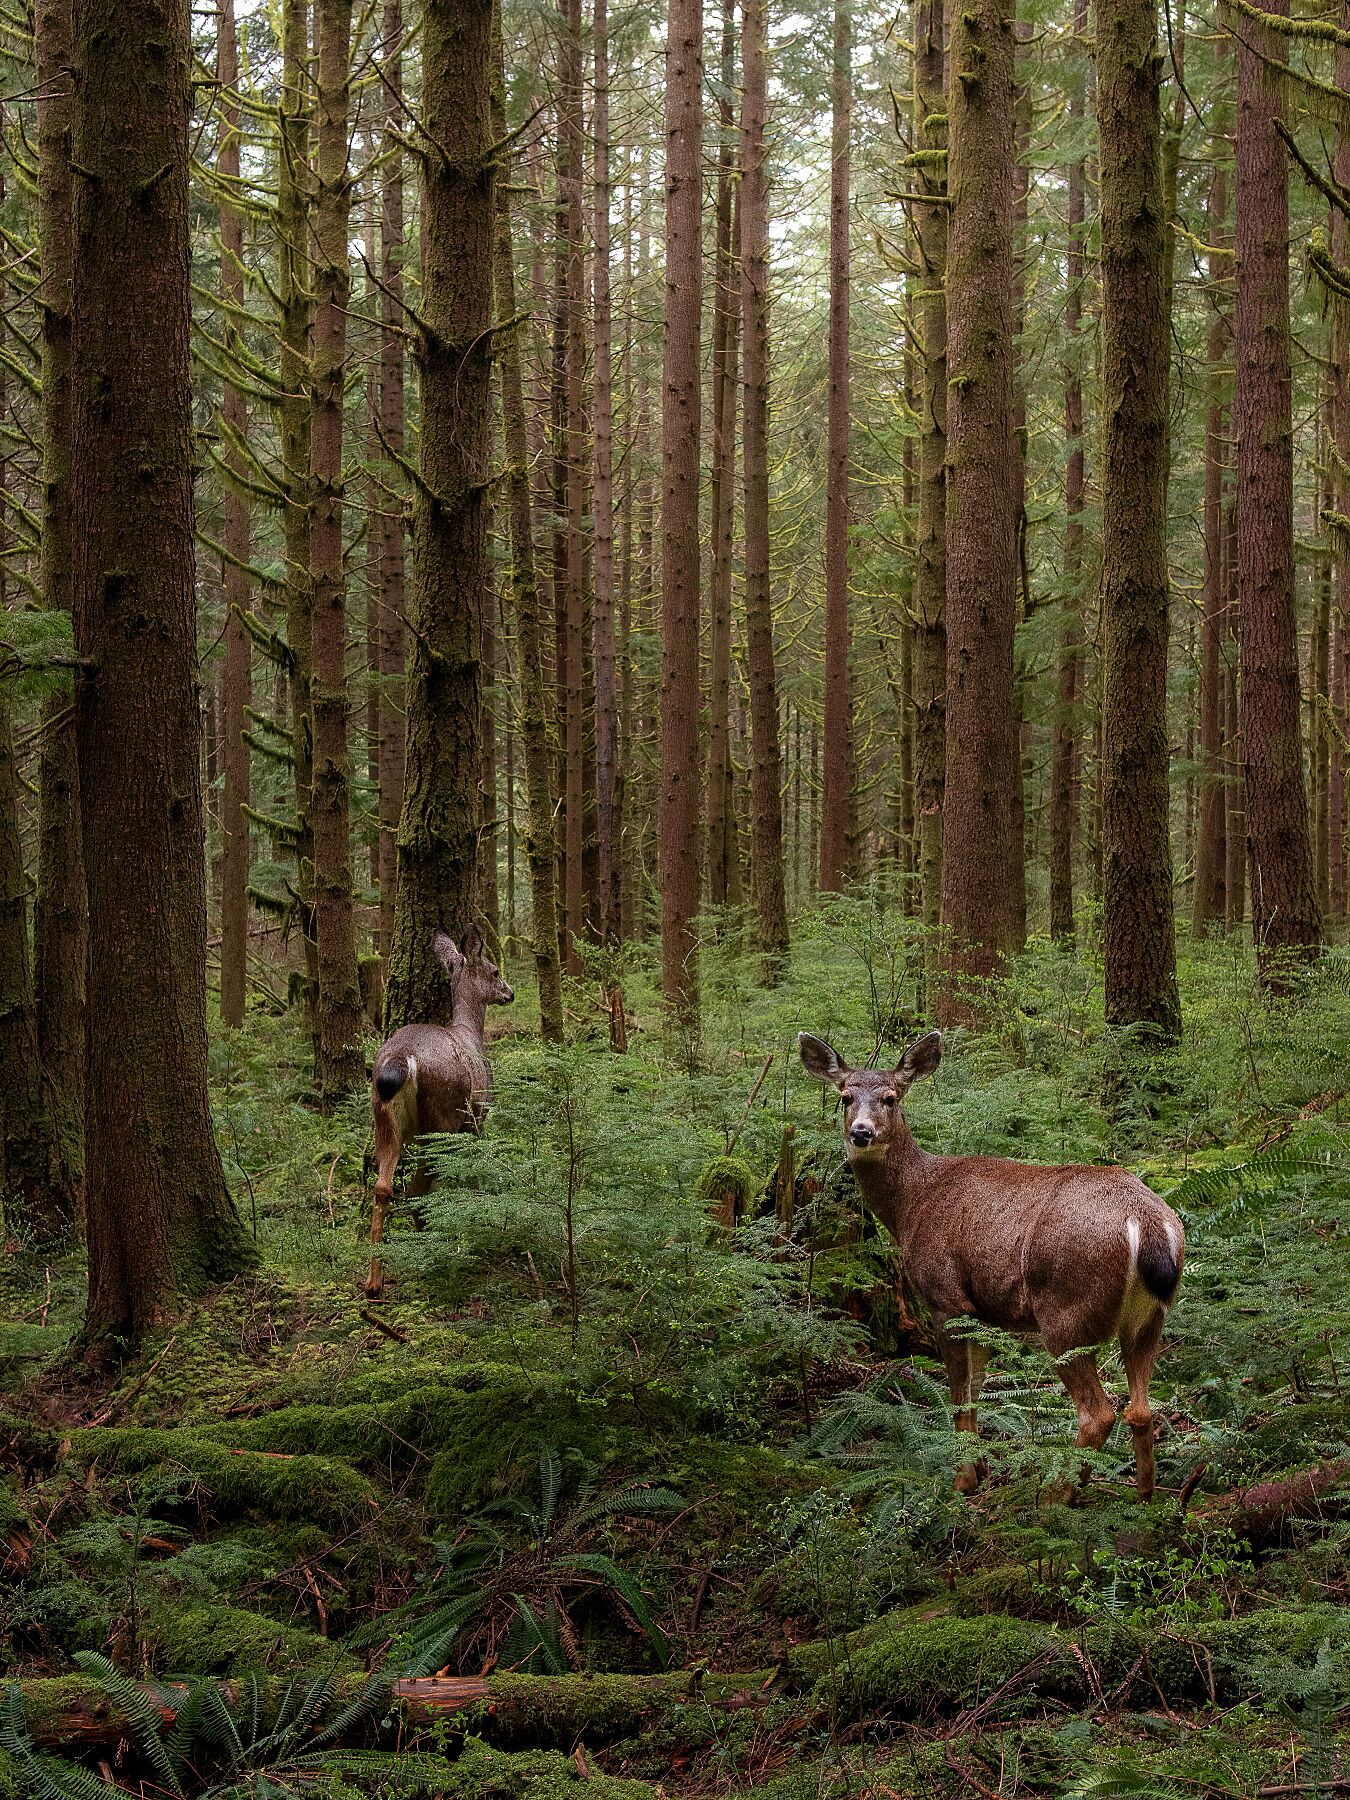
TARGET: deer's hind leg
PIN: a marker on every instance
(1096, 1415)
(964, 1361)
(1139, 1347)
(388, 1145)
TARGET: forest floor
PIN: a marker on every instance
(681, 1493)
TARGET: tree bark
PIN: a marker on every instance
(981, 733)
(929, 656)
(1210, 846)
(148, 1119)
(390, 521)
(1286, 919)
(1064, 760)
(570, 585)
(681, 413)
(1338, 529)
(540, 843)
(341, 1062)
(234, 570)
(294, 181)
(837, 825)
(724, 885)
(438, 834)
(1137, 926)
(37, 1199)
(61, 909)
(606, 675)
(767, 843)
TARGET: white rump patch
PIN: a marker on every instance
(1132, 1234)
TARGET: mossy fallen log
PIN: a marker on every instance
(75, 1714)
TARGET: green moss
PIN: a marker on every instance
(928, 1665)
(603, 1707)
(12, 1784)
(228, 1640)
(482, 1773)
(13, 1514)
(730, 1186)
(320, 1489)
(1007, 1588)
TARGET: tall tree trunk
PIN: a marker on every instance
(294, 182)
(234, 573)
(723, 851)
(571, 601)
(341, 1063)
(1064, 759)
(1235, 875)
(60, 912)
(767, 846)
(1339, 528)
(37, 1198)
(1137, 926)
(1319, 746)
(439, 830)
(148, 1119)
(837, 829)
(540, 845)
(982, 499)
(680, 442)
(1286, 919)
(606, 675)
(930, 565)
(1210, 859)
(390, 522)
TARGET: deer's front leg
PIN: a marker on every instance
(964, 1361)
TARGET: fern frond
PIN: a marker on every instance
(623, 1584)
(145, 1723)
(428, 1645)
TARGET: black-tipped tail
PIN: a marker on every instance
(1158, 1270)
(390, 1077)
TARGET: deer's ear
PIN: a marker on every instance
(922, 1057)
(473, 943)
(446, 951)
(821, 1059)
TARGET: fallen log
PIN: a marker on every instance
(1257, 1512)
(73, 1713)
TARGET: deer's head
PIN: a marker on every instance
(873, 1099)
(473, 974)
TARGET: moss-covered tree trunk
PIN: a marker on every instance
(60, 912)
(1137, 929)
(392, 565)
(766, 848)
(1338, 527)
(929, 652)
(982, 510)
(234, 427)
(1286, 919)
(540, 841)
(160, 1222)
(341, 1063)
(438, 834)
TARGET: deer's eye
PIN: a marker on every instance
(847, 1099)
(888, 1099)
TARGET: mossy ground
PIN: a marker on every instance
(280, 1484)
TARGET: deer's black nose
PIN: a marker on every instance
(861, 1136)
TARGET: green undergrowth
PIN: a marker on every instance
(590, 1428)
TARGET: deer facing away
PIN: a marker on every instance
(433, 1077)
(1074, 1255)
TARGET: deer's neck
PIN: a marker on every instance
(468, 1020)
(893, 1184)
